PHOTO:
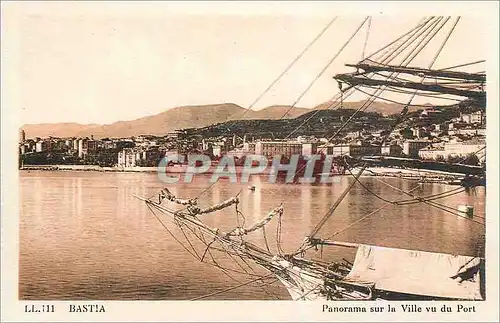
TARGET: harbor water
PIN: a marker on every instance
(84, 236)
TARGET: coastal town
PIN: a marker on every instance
(425, 137)
(240, 157)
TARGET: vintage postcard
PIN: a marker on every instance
(249, 161)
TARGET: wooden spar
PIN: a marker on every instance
(353, 81)
(335, 205)
(338, 243)
(214, 232)
(418, 71)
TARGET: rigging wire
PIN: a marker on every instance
(451, 192)
(334, 206)
(413, 38)
(463, 65)
(214, 263)
(334, 105)
(324, 69)
(413, 56)
(170, 232)
(386, 60)
(235, 287)
(368, 215)
(377, 93)
(309, 87)
(430, 38)
(438, 52)
(426, 39)
(409, 102)
(366, 39)
(419, 25)
(395, 102)
(441, 207)
(277, 79)
(427, 94)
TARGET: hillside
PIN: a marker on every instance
(319, 123)
(184, 117)
(377, 106)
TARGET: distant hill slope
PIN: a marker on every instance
(183, 117)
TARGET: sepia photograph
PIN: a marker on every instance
(179, 152)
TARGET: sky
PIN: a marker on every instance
(98, 62)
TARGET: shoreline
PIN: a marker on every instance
(409, 174)
(88, 168)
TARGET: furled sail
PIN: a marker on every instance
(418, 272)
(166, 194)
(195, 210)
(242, 231)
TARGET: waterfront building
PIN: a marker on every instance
(127, 158)
(432, 152)
(273, 148)
(474, 117)
(353, 150)
(309, 148)
(411, 147)
(469, 131)
(85, 146)
(418, 132)
(391, 150)
(43, 145)
(249, 147)
(364, 150)
(465, 148)
(336, 150)
(22, 136)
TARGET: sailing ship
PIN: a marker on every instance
(377, 272)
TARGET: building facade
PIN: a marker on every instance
(273, 148)
(465, 148)
(22, 136)
(412, 147)
(127, 158)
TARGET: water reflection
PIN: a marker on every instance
(85, 236)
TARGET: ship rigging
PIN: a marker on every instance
(377, 272)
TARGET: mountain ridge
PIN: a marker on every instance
(194, 116)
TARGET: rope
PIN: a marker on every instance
(436, 205)
(334, 207)
(406, 61)
(438, 52)
(173, 236)
(386, 60)
(366, 39)
(368, 103)
(428, 94)
(234, 287)
(278, 236)
(265, 238)
(411, 201)
(284, 72)
(462, 65)
(332, 106)
(396, 102)
(368, 215)
(420, 24)
(324, 69)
